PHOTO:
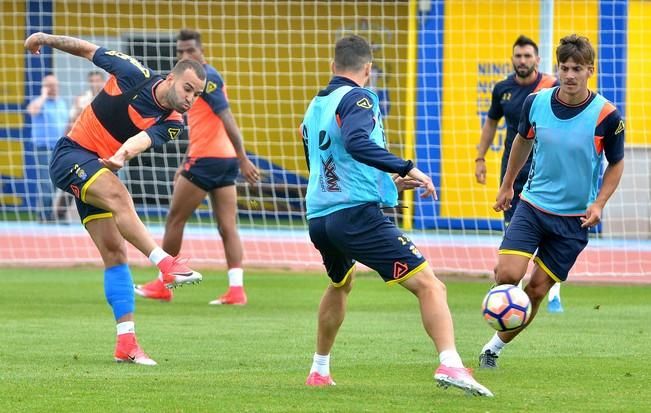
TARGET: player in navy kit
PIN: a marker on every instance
(345, 149)
(507, 99)
(135, 110)
(570, 129)
(214, 158)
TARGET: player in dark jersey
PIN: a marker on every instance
(214, 158)
(345, 149)
(507, 99)
(135, 110)
(570, 130)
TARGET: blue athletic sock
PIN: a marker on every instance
(118, 288)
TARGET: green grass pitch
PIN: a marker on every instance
(57, 343)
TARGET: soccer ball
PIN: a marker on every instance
(506, 307)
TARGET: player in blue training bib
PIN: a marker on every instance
(507, 99)
(570, 129)
(345, 148)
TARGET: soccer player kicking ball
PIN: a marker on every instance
(349, 181)
(215, 156)
(570, 129)
(135, 110)
(507, 99)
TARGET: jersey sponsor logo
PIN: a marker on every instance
(173, 132)
(399, 269)
(620, 127)
(330, 174)
(211, 87)
(364, 103)
(324, 140)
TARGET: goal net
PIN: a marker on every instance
(435, 65)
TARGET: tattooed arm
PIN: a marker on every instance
(67, 44)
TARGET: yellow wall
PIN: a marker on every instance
(11, 165)
(12, 87)
(274, 58)
(11, 159)
(12, 33)
(580, 17)
(483, 32)
(638, 85)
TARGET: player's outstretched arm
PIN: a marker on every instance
(518, 157)
(406, 183)
(248, 169)
(425, 182)
(612, 176)
(67, 44)
(129, 149)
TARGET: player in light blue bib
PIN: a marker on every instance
(345, 149)
(507, 100)
(570, 129)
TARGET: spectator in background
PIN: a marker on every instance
(64, 203)
(96, 80)
(49, 114)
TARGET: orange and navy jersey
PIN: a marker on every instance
(507, 99)
(208, 136)
(126, 106)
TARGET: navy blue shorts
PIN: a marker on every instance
(73, 168)
(558, 239)
(211, 173)
(363, 233)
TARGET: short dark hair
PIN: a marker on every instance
(189, 34)
(577, 48)
(523, 40)
(186, 64)
(352, 53)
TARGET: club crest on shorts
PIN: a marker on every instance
(79, 172)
